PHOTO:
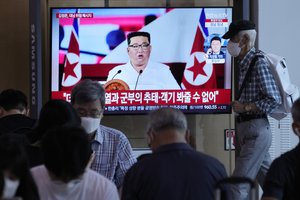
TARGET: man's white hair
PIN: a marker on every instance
(252, 36)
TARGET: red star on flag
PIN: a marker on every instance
(197, 68)
(69, 69)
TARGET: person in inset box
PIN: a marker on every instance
(215, 47)
(140, 73)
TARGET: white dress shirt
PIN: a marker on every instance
(156, 76)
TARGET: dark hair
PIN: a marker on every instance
(296, 111)
(88, 91)
(135, 34)
(14, 159)
(215, 38)
(54, 113)
(66, 151)
(13, 99)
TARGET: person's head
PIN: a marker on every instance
(13, 102)
(88, 99)
(139, 49)
(242, 35)
(14, 166)
(114, 38)
(166, 126)
(215, 44)
(66, 152)
(54, 113)
(296, 117)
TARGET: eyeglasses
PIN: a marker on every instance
(93, 113)
(143, 46)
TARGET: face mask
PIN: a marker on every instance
(233, 48)
(10, 187)
(90, 124)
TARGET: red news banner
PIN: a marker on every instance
(160, 97)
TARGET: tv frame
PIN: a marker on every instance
(216, 109)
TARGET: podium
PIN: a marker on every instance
(116, 84)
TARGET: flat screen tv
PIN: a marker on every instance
(86, 43)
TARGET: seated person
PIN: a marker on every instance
(18, 182)
(14, 112)
(140, 73)
(55, 112)
(283, 178)
(66, 174)
(174, 170)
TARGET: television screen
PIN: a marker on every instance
(188, 66)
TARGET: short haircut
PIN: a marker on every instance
(88, 91)
(252, 36)
(13, 99)
(54, 113)
(296, 111)
(215, 38)
(66, 150)
(135, 34)
(167, 118)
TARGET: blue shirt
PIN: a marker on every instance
(173, 172)
(261, 89)
(113, 154)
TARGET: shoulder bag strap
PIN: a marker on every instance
(247, 76)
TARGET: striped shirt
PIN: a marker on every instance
(261, 89)
(113, 154)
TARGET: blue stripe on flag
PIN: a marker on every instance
(202, 22)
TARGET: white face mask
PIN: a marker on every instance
(10, 187)
(90, 124)
(233, 48)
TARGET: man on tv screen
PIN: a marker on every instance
(140, 73)
(215, 46)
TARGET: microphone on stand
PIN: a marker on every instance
(137, 80)
(118, 72)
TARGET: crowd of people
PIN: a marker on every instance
(68, 154)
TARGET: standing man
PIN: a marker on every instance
(259, 97)
(140, 73)
(174, 170)
(113, 153)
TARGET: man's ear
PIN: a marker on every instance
(296, 129)
(188, 136)
(150, 136)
